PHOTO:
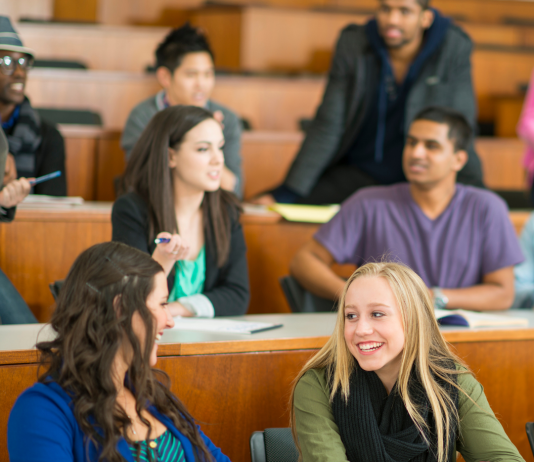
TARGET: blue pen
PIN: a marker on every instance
(50, 176)
(162, 240)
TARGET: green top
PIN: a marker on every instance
(165, 448)
(482, 436)
(190, 277)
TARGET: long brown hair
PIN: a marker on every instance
(106, 285)
(424, 348)
(149, 175)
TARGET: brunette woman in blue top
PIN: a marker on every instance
(100, 399)
(172, 187)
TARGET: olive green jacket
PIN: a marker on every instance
(481, 436)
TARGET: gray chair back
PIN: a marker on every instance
(530, 434)
(302, 301)
(273, 445)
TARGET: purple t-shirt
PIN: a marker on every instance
(471, 238)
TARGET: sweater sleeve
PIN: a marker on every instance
(481, 435)
(217, 454)
(129, 222)
(136, 123)
(317, 430)
(231, 293)
(232, 148)
(325, 134)
(38, 430)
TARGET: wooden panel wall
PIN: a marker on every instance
(80, 161)
(270, 103)
(502, 164)
(266, 156)
(35, 9)
(47, 258)
(112, 94)
(233, 395)
(494, 11)
(77, 11)
(250, 38)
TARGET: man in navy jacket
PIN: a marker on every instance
(383, 73)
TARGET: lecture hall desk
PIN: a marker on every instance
(237, 384)
(59, 235)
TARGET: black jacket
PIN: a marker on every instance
(227, 288)
(49, 157)
(444, 80)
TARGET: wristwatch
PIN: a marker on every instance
(440, 300)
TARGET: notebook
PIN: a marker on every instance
(475, 319)
(222, 325)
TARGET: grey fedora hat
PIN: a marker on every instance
(9, 39)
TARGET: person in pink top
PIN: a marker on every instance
(525, 130)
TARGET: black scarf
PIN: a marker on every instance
(375, 426)
(24, 139)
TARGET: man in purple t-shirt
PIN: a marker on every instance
(458, 238)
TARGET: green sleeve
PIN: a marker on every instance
(316, 429)
(481, 436)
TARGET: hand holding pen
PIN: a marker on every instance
(171, 247)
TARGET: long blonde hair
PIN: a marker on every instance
(424, 347)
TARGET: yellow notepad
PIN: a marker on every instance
(306, 213)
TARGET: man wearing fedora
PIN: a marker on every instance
(35, 147)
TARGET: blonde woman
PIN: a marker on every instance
(385, 387)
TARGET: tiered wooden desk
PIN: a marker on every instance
(95, 158)
(36, 9)
(237, 384)
(40, 246)
(268, 102)
(267, 157)
(164, 11)
(242, 38)
(112, 48)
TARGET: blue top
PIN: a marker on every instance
(524, 272)
(42, 422)
(190, 277)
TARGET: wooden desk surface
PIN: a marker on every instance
(238, 384)
(299, 331)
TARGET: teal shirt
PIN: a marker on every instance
(190, 277)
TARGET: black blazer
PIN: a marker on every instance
(227, 288)
(49, 157)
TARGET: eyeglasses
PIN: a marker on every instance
(8, 64)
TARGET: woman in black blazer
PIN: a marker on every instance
(172, 191)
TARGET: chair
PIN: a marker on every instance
(69, 116)
(273, 445)
(302, 301)
(55, 287)
(530, 433)
(515, 199)
(59, 64)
